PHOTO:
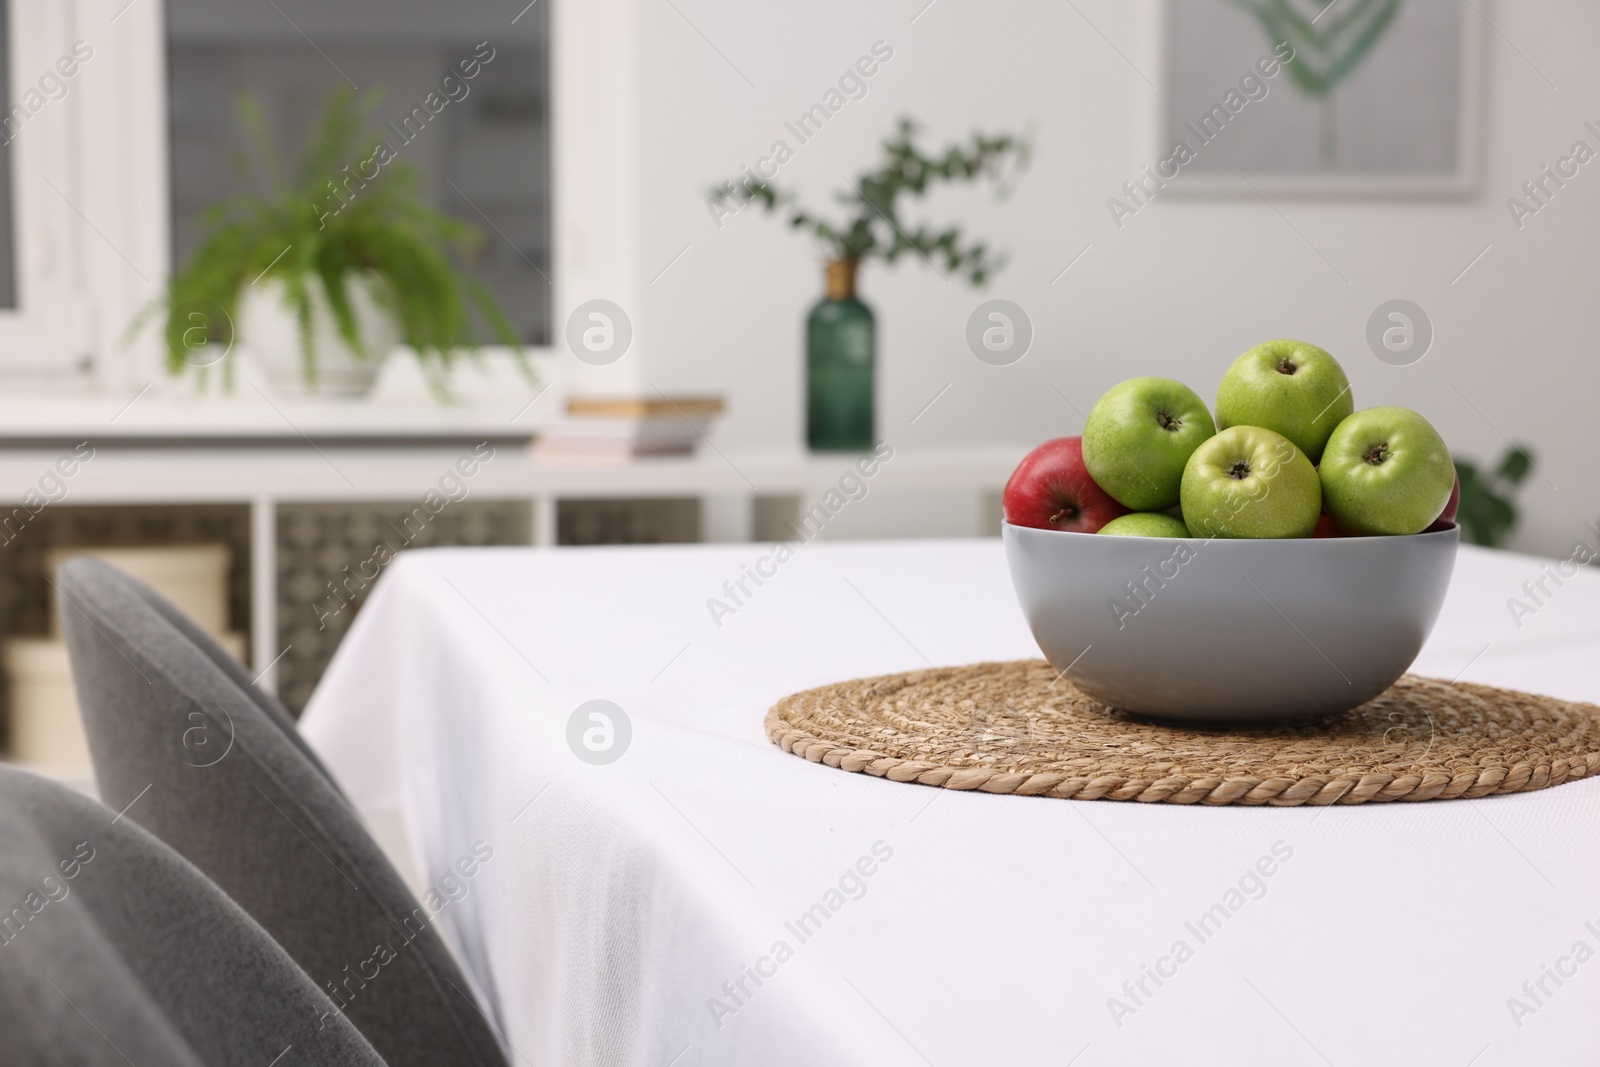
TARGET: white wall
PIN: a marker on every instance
(1181, 290)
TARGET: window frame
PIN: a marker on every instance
(49, 332)
(116, 149)
(594, 179)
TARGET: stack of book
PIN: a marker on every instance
(615, 431)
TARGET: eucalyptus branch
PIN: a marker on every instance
(874, 227)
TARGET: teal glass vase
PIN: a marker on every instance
(841, 343)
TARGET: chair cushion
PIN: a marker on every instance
(115, 949)
(207, 769)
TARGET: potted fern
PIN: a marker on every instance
(841, 330)
(325, 272)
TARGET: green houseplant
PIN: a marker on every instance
(1488, 511)
(345, 247)
(840, 330)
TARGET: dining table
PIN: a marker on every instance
(654, 883)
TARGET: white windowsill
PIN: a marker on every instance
(488, 401)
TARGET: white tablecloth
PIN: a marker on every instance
(626, 905)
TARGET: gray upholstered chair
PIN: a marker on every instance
(271, 708)
(115, 949)
(207, 768)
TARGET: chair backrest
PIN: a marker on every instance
(205, 768)
(270, 706)
(115, 949)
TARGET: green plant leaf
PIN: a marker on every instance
(1487, 513)
(326, 222)
(1515, 464)
(874, 226)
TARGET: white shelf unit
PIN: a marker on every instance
(266, 473)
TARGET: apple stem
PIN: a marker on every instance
(1287, 366)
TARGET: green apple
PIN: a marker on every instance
(1250, 482)
(1146, 524)
(1386, 471)
(1138, 437)
(1289, 387)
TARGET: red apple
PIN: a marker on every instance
(1326, 528)
(1051, 490)
(1448, 515)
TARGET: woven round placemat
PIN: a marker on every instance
(1020, 728)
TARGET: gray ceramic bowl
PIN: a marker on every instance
(1230, 632)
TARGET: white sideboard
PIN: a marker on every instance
(306, 455)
